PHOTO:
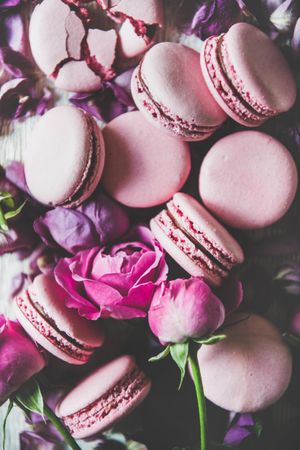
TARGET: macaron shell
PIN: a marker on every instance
(222, 82)
(121, 412)
(261, 66)
(248, 180)
(179, 85)
(47, 50)
(211, 228)
(130, 45)
(149, 11)
(51, 297)
(58, 154)
(98, 383)
(76, 76)
(254, 363)
(181, 258)
(43, 341)
(144, 166)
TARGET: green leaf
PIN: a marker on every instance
(257, 428)
(179, 353)
(8, 411)
(15, 212)
(3, 223)
(133, 445)
(161, 355)
(30, 396)
(210, 340)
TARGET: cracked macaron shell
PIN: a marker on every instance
(256, 68)
(65, 157)
(254, 362)
(149, 12)
(95, 386)
(176, 97)
(64, 47)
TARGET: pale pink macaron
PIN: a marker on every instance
(103, 398)
(144, 166)
(169, 89)
(248, 180)
(42, 312)
(65, 157)
(76, 57)
(247, 75)
(250, 369)
(196, 240)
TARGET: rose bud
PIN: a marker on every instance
(20, 359)
(184, 308)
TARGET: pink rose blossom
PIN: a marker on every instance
(116, 281)
(20, 359)
(183, 309)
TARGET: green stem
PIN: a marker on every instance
(193, 361)
(69, 440)
(62, 430)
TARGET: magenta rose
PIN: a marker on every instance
(20, 359)
(117, 281)
(183, 309)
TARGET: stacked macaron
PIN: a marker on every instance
(42, 312)
(104, 397)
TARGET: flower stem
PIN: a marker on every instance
(193, 361)
(69, 440)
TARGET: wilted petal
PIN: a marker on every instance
(12, 33)
(15, 98)
(4, 4)
(15, 63)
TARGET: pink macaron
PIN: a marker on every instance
(144, 166)
(106, 396)
(247, 75)
(196, 240)
(65, 157)
(248, 180)
(76, 57)
(250, 369)
(42, 312)
(169, 89)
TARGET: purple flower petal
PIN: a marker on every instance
(12, 33)
(285, 16)
(296, 39)
(236, 435)
(15, 63)
(15, 98)
(107, 103)
(15, 173)
(214, 17)
(4, 4)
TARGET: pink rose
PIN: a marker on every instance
(116, 281)
(183, 309)
(20, 359)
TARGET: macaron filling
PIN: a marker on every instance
(185, 234)
(125, 391)
(46, 326)
(163, 114)
(91, 169)
(229, 86)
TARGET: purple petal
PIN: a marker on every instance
(296, 39)
(66, 228)
(4, 4)
(236, 435)
(214, 17)
(15, 98)
(12, 33)
(285, 16)
(15, 63)
(107, 103)
(15, 173)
